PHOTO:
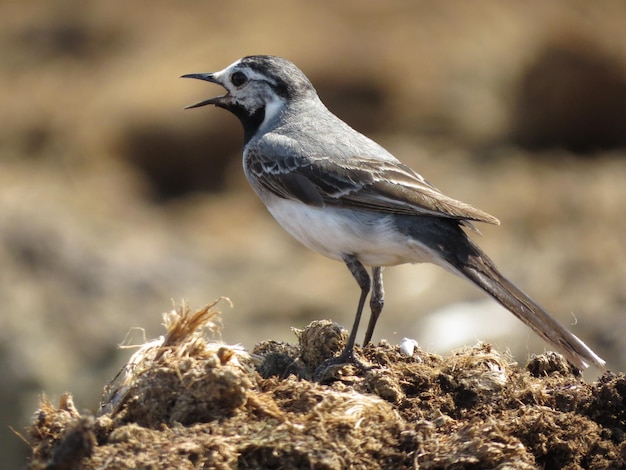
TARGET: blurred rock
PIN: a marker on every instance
(358, 99)
(572, 95)
(178, 161)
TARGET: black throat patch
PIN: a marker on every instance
(250, 122)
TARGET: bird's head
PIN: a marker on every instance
(257, 88)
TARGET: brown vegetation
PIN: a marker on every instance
(185, 402)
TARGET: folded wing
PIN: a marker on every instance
(360, 183)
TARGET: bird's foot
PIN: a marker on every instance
(328, 370)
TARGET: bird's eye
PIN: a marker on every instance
(238, 78)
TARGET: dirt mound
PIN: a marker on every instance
(184, 401)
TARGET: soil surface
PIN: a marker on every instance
(185, 401)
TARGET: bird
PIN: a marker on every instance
(346, 197)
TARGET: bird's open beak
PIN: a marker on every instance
(207, 77)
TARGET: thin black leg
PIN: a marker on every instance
(324, 371)
(362, 278)
(377, 302)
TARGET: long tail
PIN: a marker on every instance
(479, 269)
(456, 251)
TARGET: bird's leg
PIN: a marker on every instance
(325, 370)
(362, 278)
(377, 302)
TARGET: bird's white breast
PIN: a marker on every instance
(334, 232)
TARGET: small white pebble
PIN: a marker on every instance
(407, 346)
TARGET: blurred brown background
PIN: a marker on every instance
(114, 201)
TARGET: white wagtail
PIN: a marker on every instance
(346, 197)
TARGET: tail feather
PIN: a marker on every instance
(450, 247)
(479, 269)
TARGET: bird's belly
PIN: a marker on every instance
(334, 232)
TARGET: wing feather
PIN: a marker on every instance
(359, 183)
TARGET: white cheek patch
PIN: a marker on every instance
(272, 109)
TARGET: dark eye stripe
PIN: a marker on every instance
(280, 88)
